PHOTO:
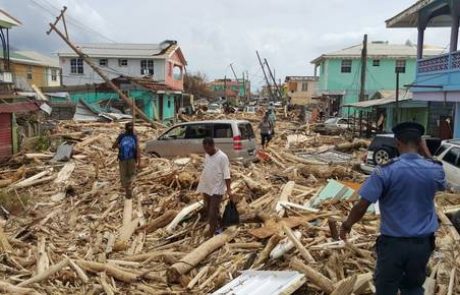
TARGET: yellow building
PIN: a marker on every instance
(301, 89)
(31, 68)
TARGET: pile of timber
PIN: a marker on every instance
(77, 234)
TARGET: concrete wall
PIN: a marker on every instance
(173, 65)
(381, 77)
(113, 70)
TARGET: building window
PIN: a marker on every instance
(376, 62)
(122, 62)
(53, 75)
(346, 66)
(103, 62)
(400, 66)
(177, 73)
(147, 67)
(29, 72)
(305, 86)
(76, 66)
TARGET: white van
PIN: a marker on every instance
(449, 154)
(234, 137)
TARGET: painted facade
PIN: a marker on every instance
(340, 72)
(437, 77)
(163, 63)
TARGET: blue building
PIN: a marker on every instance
(438, 77)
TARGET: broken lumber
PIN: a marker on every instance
(203, 271)
(159, 222)
(184, 213)
(315, 277)
(284, 246)
(111, 270)
(265, 253)
(197, 255)
(284, 197)
(346, 286)
(80, 272)
(7, 288)
(44, 275)
(302, 250)
(4, 244)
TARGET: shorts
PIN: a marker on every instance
(265, 138)
(127, 171)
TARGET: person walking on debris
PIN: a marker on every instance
(266, 129)
(405, 188)
(272, 119)
(128, 156)
(214, 182)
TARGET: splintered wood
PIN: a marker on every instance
(76, 234)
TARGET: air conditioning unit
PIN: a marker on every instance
(6, 77)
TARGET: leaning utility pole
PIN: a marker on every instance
(134, 108)
(278, 91)
(236, 79)
(265, 75)
(362, 92)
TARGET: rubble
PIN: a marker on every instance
(79, 235)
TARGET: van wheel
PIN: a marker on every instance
(154, 155)
(382, 156)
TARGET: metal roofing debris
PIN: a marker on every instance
(263, 283)
(19, 107)
(63, 153)
(376, 102)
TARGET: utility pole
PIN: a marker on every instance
(134, 108)
(362, 92)
(244, 89)
(236, 79)
(225, 89)
(278, 92)
(265, 75)
(396, 115)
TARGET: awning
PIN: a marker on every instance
(375, 102)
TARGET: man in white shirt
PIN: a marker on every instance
(214, 182)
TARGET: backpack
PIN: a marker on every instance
(127, 147)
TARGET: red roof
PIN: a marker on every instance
(19, 107)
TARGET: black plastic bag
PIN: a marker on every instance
(231, 215)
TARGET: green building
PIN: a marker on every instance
(340, 73)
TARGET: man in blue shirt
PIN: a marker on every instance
(405, 188)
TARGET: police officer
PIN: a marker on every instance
(405, 189)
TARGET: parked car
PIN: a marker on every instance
(250, 109)
(234, 137)
(383, 148)
(449, 154)
(214, 108)
(332, 126)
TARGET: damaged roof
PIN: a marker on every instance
(409, 18)
(380, 49)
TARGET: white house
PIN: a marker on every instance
(163, 63)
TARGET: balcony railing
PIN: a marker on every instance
(440, 63)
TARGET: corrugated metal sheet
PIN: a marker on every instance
(122, 50)
(263, 283)
(19, 107)
(5, 136)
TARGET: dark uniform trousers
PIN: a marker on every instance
(401, 264)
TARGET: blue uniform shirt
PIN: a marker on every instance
(405, 189)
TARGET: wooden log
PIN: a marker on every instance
(159, 222)
(265, 253)
(451, 289)
(185, 212)
(346, 286)
(284, 246)
(65, 173)
(36, 179)
(362, 283)
(4, 244)
(203, 271)
(127, 211)
(7, 288)
(197, 255)
(302, 250)
(43, 260)
(43, 276)
(256, 187)
(80, 272)
(211, 277)
(111, 270)
(42, 156)
(127, 230)
(313, 276)
(284, 197)
(106, 286)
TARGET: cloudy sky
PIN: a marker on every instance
(215, 33)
